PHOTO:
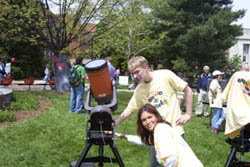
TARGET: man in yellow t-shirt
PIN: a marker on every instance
(237, 95)
(159, 88)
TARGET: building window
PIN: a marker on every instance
(244, 58)
(245, 48)
(245, 51)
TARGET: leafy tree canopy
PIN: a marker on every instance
(198, 32)
(20, 25)
(129, 37)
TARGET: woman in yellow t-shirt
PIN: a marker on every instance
(171, 148)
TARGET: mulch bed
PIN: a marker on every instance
(45, 104)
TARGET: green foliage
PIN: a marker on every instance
(23, 101)
(7, 116)
(197, 31)
(130, 37)
(235, 63)
(20, 37)
(16, 72)
(180, 65)
(30, 60)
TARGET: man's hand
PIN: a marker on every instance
(125, 114)
(114, 124)
(183, 119)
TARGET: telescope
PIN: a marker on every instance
(237, 95)
(103, 91)
(240, 144)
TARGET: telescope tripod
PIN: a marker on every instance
(239, 144)
(100, 121)
(100, 159)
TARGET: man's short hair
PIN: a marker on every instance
(79, 60)
(137, 61)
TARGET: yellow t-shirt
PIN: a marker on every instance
(161, 92)
(215, 101)
(237, 95)
(168, 142)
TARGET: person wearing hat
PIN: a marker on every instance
(216, 102)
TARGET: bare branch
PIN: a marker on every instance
(147, 47)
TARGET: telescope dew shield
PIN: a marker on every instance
(100, 80)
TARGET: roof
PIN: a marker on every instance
(246, 34)
(90, 28)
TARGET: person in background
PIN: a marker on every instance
(47, 76)
(159, 66)
(111, 68)
(245, 67)
(2, 70)
(202, 89)
(133, 84)
(118, 72)
(216, 102)
(171, 148)
(159, 88)
(77, 93)
(227, 75)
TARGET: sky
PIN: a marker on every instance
(243, 4)
(238, 4)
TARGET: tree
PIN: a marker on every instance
(130, 37)
(70, 18)
(198, 31)
(20, 24)
(235, 63)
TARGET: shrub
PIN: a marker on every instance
(23, 101)
(235, 63)
(16, 72)
(7, 116)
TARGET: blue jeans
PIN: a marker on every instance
(153, 159)
(76, 98)
(218, 117)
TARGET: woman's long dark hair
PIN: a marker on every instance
(147, 136)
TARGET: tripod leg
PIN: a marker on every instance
(100, 155)
(117, 155)
(83, 155)
(231, 157)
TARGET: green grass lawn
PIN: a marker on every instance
(56, 138)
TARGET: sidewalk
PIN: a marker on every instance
(15, 85)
